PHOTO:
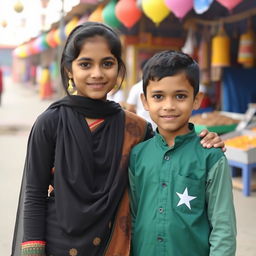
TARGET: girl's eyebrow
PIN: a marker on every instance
(89, 59)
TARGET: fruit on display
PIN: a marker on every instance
(244, 142)
(213, 119)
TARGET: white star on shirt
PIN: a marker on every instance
(185, 198)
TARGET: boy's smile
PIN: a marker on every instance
(170, 102)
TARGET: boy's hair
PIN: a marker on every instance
(170, 63)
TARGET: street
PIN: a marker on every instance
(20, 107)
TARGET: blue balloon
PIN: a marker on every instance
(201, 6)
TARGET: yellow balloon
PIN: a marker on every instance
(156, 10)
(71, 25)
(97, 14)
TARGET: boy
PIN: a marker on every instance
(181, 193)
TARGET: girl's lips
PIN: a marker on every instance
(96, 85)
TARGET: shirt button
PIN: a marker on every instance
(160, 239)
(167, 158)
(164, 185)
(161, 210)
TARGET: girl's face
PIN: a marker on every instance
(95, 70)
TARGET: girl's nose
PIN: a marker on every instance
(96, 72)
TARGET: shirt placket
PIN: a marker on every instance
(162, 203)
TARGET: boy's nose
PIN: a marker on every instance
(168, 105)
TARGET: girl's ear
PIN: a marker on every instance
(68, 73)
(198, 100)
(144, 101)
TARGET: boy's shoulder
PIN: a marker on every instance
(143, 146)
(211, 155)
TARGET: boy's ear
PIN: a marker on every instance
(198, 100)
(144, 101)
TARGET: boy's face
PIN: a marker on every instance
(170, 102)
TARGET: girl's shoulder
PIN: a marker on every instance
(46, 122)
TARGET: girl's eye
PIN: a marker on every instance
(84, 64)
(157, 96)
(107, 64)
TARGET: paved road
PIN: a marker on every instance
(20, 108)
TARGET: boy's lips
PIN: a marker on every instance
(169, 117)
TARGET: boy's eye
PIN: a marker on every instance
(157, 96)
(107, 64)
(181, 96)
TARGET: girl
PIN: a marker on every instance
(74, 188)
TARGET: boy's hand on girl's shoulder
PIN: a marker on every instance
(211, 139)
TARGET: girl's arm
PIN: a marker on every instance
(211, 139)
(39, 162)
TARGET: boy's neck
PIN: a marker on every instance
(170, 136)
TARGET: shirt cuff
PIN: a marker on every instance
(33, 248)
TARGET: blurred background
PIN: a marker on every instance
(219, 34)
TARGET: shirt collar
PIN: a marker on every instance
(160, 140)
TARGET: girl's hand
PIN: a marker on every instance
(211, 139)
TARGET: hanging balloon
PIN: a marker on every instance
(40, 43)
(71, 25)
(18, 6)
(221, 50)
(32, 47)
(59, 36)
(50, 39)
(4, 23)
(157, 11)
(229, 4)
(83, 19)
(128, 12)
(97, 14)
(179, 7)
(109, 16)
(21, 51)
(201, 6)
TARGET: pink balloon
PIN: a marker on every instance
(229, 4)
(179, 7)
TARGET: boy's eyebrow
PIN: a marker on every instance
(177, 91)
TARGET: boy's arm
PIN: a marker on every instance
(221, 211)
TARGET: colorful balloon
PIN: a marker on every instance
(97, 14)
(201, 6)
(109, 16)
(50, 39)
(157, 11)
(128, 12)
(71, 25)
(179, 7)
(229, 4)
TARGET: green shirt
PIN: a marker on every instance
(181, 199)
